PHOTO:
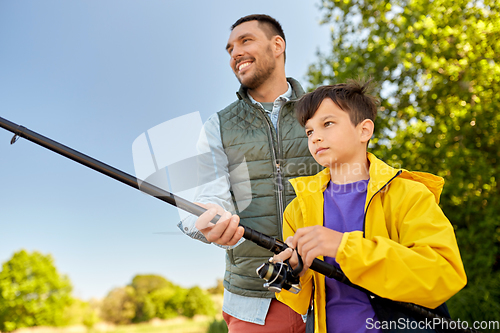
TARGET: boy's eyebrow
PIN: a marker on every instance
(327, 116)
(322, 119)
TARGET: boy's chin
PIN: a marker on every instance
(325, 163)
(321, 162)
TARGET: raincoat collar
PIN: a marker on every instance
(380, 175)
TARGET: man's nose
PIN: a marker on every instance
(237, 52)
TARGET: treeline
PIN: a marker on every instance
(33, 293)
(152, 296)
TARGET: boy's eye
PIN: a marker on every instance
(328, 123)
(309, 132)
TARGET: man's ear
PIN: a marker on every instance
(279, 46)
(366, 128)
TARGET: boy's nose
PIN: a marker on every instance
(316, 138)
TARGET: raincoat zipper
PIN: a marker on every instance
(369, 202)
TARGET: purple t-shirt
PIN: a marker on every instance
(347, 309)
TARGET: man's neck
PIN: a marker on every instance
(268, 91)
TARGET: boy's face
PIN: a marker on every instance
(332, 138)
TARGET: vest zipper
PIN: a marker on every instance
(369, 202)
(276, 155)
(281, 205)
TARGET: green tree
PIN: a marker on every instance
(218, 288)
(32, 292)
(217, 326)
(197, 302)
(438, 66)
(144, 285)
(119, 306)
(168, 302)
(81, 312)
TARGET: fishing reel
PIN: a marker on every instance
(280, 276)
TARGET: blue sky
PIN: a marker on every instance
(94, 75)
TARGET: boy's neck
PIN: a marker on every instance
(346, 173)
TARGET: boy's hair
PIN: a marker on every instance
(352, 97)
(268, 24)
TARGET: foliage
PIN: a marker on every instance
(197, 302)
(168, 301)
(218, 289)
(32, 293)
(145, 284)
(217, 326)
(119, 306)
(81, 312)
(152, 296)
(438, 63)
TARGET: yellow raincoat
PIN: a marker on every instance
(408, 252)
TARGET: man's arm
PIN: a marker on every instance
(213, 191)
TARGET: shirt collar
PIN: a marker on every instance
(282, 98)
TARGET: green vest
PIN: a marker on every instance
(247, 132)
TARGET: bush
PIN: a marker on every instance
(119, 306)
(217, 326)
(197, 302)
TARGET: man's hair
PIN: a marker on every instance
(269, 25)
(352, 97)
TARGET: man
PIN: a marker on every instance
(260, 130)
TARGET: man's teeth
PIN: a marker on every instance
(243, 66)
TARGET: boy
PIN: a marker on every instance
(383, 227)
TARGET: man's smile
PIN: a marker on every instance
(243, 65)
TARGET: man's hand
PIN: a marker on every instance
(225, 232)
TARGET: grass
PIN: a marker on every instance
(178, 325)
(199, 324)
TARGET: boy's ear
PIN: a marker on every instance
(366, 128)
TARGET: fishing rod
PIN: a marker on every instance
(274, 245)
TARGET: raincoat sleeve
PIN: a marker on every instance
(419, 262)
(298, 302)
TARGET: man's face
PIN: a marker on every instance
(252, 59)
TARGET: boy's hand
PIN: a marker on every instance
(225, 232)
(315, 241)
(289, 253)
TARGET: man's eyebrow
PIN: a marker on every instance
(240, 37)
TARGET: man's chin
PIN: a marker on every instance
(249, 83)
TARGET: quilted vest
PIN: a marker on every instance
(272, 157)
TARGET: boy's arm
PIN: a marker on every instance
(292, 219)
(422, 266)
